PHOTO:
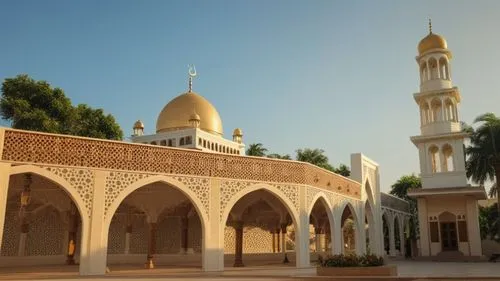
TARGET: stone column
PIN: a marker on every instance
(22, 239)
(283, 243)
(94, 242)
(402, 238)
(4, 187)
(274, 240)
(317, 238)
(72, 230)
(278, 242)
(151, 245)
(337, 245)
(473, 227)
(184, 235)
(423, 226)
(322, 240)
(213, 235)
(128, 232)
(392, 240)
(238, 255)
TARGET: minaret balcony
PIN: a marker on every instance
(440, 127)
(435, 84)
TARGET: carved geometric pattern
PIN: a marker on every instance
(116, 182)
(292, 192)
(82, 180)
(228, 189)
(311, 192)
(34, 147)
(200, 187)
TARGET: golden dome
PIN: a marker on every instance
(237, 132)
(431, 41)
(177, 113)
(138, 125)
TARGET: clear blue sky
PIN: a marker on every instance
(336, 75)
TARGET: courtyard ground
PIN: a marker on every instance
(407, 270)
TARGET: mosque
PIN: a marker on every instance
(186, 196)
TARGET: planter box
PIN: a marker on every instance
(385, 270)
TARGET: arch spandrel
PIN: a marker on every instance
(172, 182)
(248, 188)
(315, 197)
(77, 183)
(230, 188)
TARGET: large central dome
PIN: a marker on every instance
(176, 114)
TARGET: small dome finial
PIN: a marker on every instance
(430, 25)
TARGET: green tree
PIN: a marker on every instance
(342, 170)
(314, 156)
(94, 123)
(34, 105)
(488, 223)
(483, 162)
(279, 156)
(256, 149)
(400, 189)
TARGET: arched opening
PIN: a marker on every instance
(448, 158)
(448, 230)
(436, 107)
(449, 110)
(397, 236)
(433, 68)
(424, 76)
(443, 69)
(435, 159)
(156, 225)
(385, 229)
(349, 230)
(260, 230)
(425, 113)
(320, 223)
(43, 225)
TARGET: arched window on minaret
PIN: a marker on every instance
(443, 68)
(423, 72)
(425, 113)
(433, 67)
(449, 110)
(435, 161)
(436, 107)
(448, 158)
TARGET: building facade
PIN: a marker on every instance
(163, 200)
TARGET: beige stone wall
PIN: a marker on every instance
(255, 240)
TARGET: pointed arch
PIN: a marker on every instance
(171, 182)
(72, 194)
(261, 186)
(321, 198)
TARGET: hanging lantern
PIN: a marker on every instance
(26, 193)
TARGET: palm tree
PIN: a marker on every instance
(315, 157)
(483, 163)
(279, 156)
(256, 149)
(342, 170)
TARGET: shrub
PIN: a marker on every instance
(350, 260)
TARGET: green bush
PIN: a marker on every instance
(350, 260)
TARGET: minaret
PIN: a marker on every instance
(447, 204)
(440, 144)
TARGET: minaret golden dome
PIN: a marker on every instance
(138, 125)
(431, 41)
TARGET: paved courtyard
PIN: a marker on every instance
(418, 269)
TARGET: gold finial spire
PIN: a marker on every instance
(192, 74)
(430, 26)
